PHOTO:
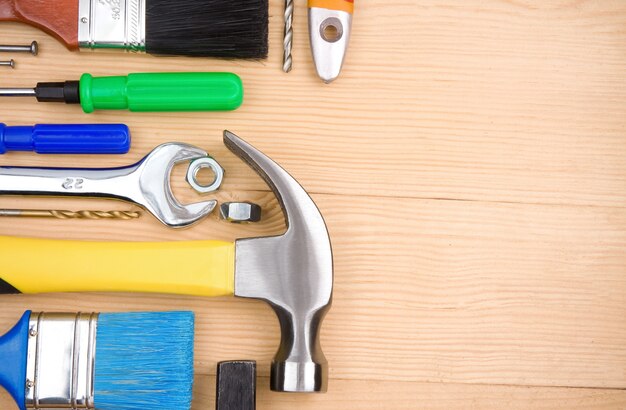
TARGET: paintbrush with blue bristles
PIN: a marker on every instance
(106, 361)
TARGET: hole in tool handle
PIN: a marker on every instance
(331, 30)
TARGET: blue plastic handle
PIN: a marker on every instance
(13, 356)
(66, 139)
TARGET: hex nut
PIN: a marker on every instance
(205, 162)
(240, 212)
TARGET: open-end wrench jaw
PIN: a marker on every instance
(155, 191)
(292, 272)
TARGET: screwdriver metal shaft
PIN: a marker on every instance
(62, 214)
(17, 92)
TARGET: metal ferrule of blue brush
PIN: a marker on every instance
(61, 358)
(49, 360)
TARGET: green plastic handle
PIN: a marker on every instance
(144, 92)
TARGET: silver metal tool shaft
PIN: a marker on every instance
(8, 63)
(62, 214)
(33, 48)
(17, 92)
(288, 36)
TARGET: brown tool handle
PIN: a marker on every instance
(58, 18)
(7, 11)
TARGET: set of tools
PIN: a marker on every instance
(128, 361)
(292, 272)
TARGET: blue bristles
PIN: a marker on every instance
(144, 361)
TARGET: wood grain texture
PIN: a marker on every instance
(368, 395)
(471, 166)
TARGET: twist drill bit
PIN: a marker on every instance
(62, 214)
(288, 37)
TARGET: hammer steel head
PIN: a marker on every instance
(292, 272)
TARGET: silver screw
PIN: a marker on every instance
(9, 63)
(33, 48)
(33, 332)
(288, 38)
(29, 384)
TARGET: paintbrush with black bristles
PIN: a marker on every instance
(106, 361)
(206, 28)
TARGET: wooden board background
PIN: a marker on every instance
(471, 165)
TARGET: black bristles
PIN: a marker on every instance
(207, 28)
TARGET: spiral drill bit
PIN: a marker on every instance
(61, 214)
(288, 37)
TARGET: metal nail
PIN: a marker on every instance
(9, 63)
(33, 48)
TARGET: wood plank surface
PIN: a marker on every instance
(471, 165)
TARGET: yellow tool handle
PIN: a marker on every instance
(339, 5)
(202, 268)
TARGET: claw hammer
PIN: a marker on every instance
(292, 272)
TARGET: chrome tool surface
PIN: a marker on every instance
(293, 272)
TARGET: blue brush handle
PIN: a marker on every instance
(66, 139)
(13, 354)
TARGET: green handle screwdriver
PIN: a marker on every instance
(142, 92)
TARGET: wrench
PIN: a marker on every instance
(146, 183)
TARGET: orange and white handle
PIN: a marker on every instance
(330, 26)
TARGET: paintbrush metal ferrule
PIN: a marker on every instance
(61, 359)
(117, 24)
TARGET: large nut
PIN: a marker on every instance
(240, 212)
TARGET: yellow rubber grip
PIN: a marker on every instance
(201, 268)
(339, 5)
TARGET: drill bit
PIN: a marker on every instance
(288, 37)
(62, 214)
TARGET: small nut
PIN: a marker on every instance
(240, 212)
(200, 163)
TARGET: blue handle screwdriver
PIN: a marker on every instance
(66, 138)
